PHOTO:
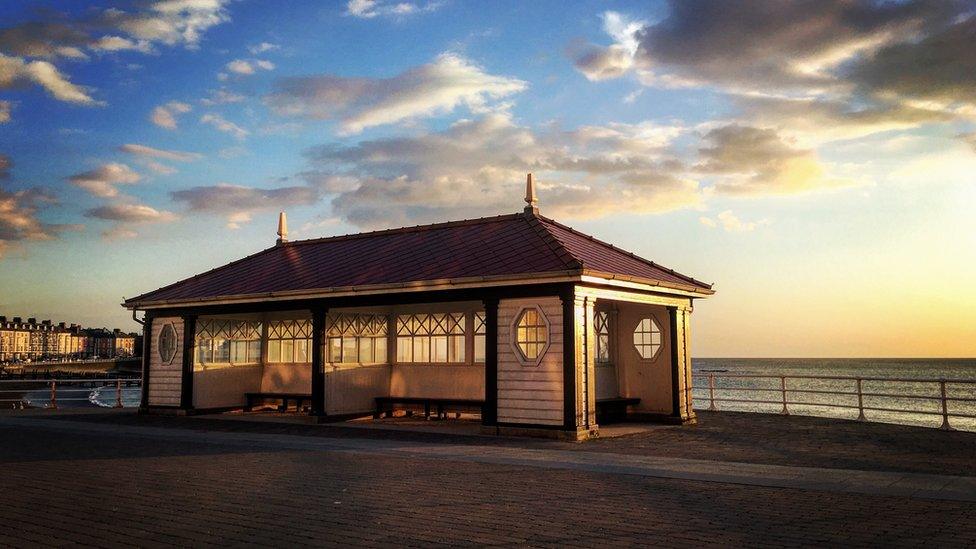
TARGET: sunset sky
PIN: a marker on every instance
(815, 160)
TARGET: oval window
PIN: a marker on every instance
(531, 334)
(167, 343)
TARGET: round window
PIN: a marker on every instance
(647, 338)
(167, 343)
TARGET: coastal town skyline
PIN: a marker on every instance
(820, 179)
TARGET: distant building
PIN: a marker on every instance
(30, 340)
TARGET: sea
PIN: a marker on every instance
(903, 391)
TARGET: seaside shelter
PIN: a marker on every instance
(541, 329)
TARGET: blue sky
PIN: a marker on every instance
(821, 175)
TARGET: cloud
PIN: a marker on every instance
(969, 138)
(26, 49)
(5, 164)
(478, 167)
(222, 97)
(102, 181)
(221, 124)
(164, 116)
(246, 67)
(613, 61)
(5, 108)
(368, 9)
(126, 216)
(129, 213)
(358, 103)
(16, 72)
(19, 218)
(237, 202)
(730, 223)
(263, 47)
(758, 161)
(143, 150)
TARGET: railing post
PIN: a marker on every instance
(860, 402)
(711, 392)
(945, 407)
(53, 404)
(118, 393)
(782, 384)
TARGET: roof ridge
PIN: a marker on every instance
(403, 230)
(564, 255)
(621, 250)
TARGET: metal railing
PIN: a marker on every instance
(880, 397)
(50, 393)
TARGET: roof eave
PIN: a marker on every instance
(372, 289)
(640, 283)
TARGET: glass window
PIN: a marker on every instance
(227, 341)
(356, 337)
(479, 337)
(601, 324)
(290, 341)
(437, 338)
(647, 338)
(531, 333)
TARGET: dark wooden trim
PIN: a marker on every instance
(147, 348)
(675, 366)
(568, 297)
(405, 298)
(318, 362)
(489, 415)
(189, 338)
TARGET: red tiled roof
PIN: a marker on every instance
(509, 245)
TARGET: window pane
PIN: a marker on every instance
(254, 351)
(301, 350)
(287, 350)
(203, 351)
(238, 352)
(479, 348)
(274, 350)
(221, 351)
(335, 349)
(366, 349)
(380, 344)
(349, 353)
(421, 349)
(439, 349)
(455, 350)
(404, 349)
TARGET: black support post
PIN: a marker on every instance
(189, 340)
(147, 349)
(675, 366)
(489, 415)
(318, 362)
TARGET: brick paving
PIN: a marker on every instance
(117, 489)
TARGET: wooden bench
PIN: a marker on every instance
(299, 398)
(385, 405)
(611, 410)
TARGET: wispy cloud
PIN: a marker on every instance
(358, 103)
(126, 217)
(237, 203)
(369, 9)
(224, 125)
(263, 47)
(104, 180)
(5, 108)
(15, 71)
(164, 154)
(164, 116)
(19, 219)
(730, 223)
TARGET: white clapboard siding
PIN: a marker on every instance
(529, 393)
(165, 380)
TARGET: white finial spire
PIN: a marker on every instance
(530, 198)
(282, 228)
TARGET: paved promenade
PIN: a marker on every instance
(739, 479)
